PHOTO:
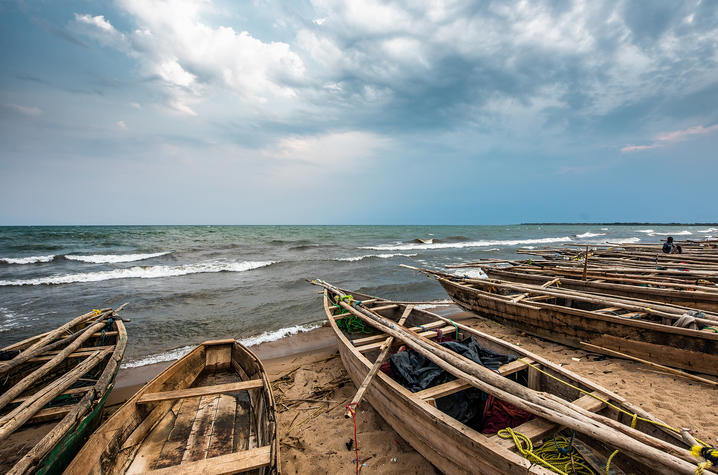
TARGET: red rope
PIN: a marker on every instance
(356, 441)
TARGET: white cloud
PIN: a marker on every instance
(668, 138)
(136, 105)
(121, 124)
(25, 110)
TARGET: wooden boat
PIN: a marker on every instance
(60, 378)
(634, 327)
(210, 412)
(452, 446)
(700, 297)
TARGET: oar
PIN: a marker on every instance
(377, 364)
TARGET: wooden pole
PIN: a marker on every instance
(28, 380)
(585, 263)
(377, 364)
(650, 363)
(651, 451)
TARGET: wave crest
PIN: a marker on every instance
(115, 258)
(27, 260)
(589, 234)
(139, 272)
(368, 256)
(460, 245)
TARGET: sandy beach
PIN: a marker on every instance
(311, 389)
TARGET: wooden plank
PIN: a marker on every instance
(50, 414)
(225, 464)
(608, 309)
(382, 337)
(451, 387)
(80, 353)
(384, 307)
(151, 446)
(218, 356)
(426, 334)
(174, 448)
(69, 392)
(199, 437)
(538, 428)
(222, 441)
(201, 391)
(242, 425)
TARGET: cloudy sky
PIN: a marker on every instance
(357, 112)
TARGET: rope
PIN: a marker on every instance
(356, 441)
(559, 456)
(615, 452)
(457, 329)
(352, 324)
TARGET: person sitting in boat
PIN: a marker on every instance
(670, 248)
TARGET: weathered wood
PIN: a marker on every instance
(351, 407)
(31, 378)
(222, 440)
(223, 465)
(145, 457)
(18, 416)
(201, 432)
(201, 391)
(177, 443)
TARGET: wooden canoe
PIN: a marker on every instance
(452, 446)
(677, 294)
(635, 327)
(61, 379)
(211, 412)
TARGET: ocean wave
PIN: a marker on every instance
(631, 240)
(142, 272)
(10, 321)
(27, 260)
(425, 241)
(647, 231)
(115, 258)
(588, 235)
(279, 334)
(685, 232)
(178, 353)
(709, 230)
(368, 256)
(460, 245)
(438, 303)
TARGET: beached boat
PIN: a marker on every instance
(54, 389)
(423, 417)
(210, 412)
(640, 328)
(700, 297)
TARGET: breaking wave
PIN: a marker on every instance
(368, 256)
(27, 260)
(144, 272)
(685, 232)
(115, 258)
(588, 235)
(459, 245)
(178, 353)
(631, 240)
(647, 231)
(709, 230)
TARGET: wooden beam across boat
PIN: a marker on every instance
(201, 391)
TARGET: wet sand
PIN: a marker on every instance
(312, 388)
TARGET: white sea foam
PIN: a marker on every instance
(278, 334)
(604, 229)
(647, 231)
(588, 235)
(380, 256)
(471, 273)
(114, 258)
(10, 321)
(631, 240)
(27, 260)
(460, 245)
(438, 303)
(709, 230)
(685, 232)
(171, 355)
(178, 353)
(142, 272)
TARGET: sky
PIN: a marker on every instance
(357, 112)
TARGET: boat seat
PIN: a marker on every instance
(538, 428)
(382, 337)
(426, 334)
(608, 309)
(451, 387)
(375, 309)
(201, 391)
(244, 461)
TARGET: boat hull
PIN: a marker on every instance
(677, 347)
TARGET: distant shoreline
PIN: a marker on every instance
(619, 224)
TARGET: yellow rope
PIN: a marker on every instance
(548, 455)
